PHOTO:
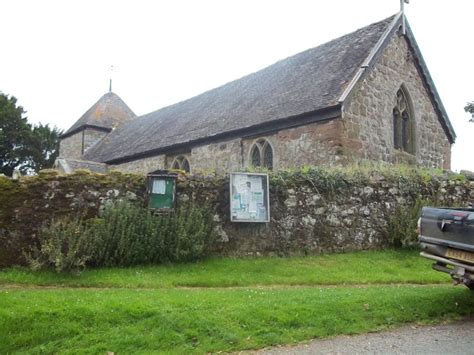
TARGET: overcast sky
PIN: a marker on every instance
(55, 55)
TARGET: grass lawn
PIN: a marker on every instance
(374, 267)
(141, 309)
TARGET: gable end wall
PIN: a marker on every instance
(367, 116)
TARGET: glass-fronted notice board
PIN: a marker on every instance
(249, 199)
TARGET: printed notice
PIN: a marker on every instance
(255, 183)
(159, 187)
(252, 207)
(257, 197)
(249, 197)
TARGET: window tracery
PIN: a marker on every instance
(261, 154)
(181, 163)
(403, 124)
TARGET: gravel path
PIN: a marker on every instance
(455, 338)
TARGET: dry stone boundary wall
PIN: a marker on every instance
(311, 212)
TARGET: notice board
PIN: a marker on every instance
(249, 197)
(161, 189)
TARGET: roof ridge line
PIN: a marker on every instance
(365, 64)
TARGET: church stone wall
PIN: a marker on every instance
(368, 115)
(91, 137)
(312, 144)
(141, 166)
(219, 157)
(70, 147)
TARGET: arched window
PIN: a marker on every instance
(268, 156)
(261, 154)
(181, 163)
(175, 165)
(185, 165)
(255, 156)
(403, 124)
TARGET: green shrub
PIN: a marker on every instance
(125, 235)
(193, 228)
(64, 245)
(401, 226)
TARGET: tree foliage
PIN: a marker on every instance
(23, 146)
(44, 147)
(15, 133)
(470, 108)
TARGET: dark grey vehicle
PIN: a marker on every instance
(447, 237)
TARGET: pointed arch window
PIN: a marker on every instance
(261, 154)
(403, 124)
(175, 165)
(268, 156)
(181, 163)
(255, 155)
(185, 165)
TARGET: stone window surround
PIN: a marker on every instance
(262, 144)
(406, 135)
(179, 162)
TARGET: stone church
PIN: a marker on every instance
(367, 95)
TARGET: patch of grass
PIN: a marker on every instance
(372, 267)
(183, 321)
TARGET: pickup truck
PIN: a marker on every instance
(446, 236)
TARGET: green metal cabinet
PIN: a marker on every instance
(161, 191)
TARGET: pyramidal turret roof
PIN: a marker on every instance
(106, 114)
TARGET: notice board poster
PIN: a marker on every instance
(249, 199)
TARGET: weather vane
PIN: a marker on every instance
(402, 10)
(111, 70)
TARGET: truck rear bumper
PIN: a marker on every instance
(446, 242)
(447, 262)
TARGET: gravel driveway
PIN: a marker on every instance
(454, 338)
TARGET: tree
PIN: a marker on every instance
(44, 147)
(470, 108)
(23, 146)
(15, 133)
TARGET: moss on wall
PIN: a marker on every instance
(27, 203)
(313, 210)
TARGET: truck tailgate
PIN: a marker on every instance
(448, 227)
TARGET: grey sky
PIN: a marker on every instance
(55, 54)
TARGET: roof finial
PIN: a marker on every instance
(111, 70)
(402, 10)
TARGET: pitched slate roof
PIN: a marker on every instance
(303, 83)
(107, 113)
(307, 83)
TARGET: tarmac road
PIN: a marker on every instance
(454, 338)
